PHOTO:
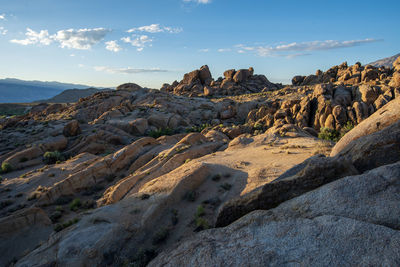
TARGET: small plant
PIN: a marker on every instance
(329, 134)
(201, 224)
(53, 157)
(6, 167)
(59, 208)
(160, 236)
(1, 179)
(347, 128)
(60, 227)
(198, 128)
(75, 204)
(216, 177)
(200, 211)
(161, 132)
(226, 186)
(257, 126)
(187, 161)
(55, 216)
(190, 196)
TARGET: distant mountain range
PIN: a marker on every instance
(387, 62)
(20, 91)
(71, 95)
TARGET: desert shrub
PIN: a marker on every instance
(160, 236)
(200, 211)
(197, 129)
(59, 208)
(226, 186)
(75, 204)
(1, 179)
(62, 226)
(216, 177)
(201, 224)
(161, 132)
(329, 134)
(53, 157)
(258, 126)
(6, 167)
(347, 128)
(55, 216)
(190, 196)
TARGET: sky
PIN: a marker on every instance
(150, 42)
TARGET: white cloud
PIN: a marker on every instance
(3, 16)
(138, 41)
(199, 1)
(82, 39)
(113, 46)
(204, 50)
(284, 49)
(3, 31)
(222, 50)
(128, 70)
(155, 28)
(77, 39)
(33, 37)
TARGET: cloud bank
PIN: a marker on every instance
(198, 1)
(128, 70)
(113, 46)
(155, 28)
(296, 49)
(138, 41)
(82, 39)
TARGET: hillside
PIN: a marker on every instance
(385, 62)
(71, 95)
(234, 171)
(20, 91)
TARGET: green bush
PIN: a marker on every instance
(75, 204)
(143, 257)
(60, 227)
(201, 224)
(197, 129)
(329, 134)
(200, 211)
(161, 132)
(347, 128)
(6, 167)
(53, 157)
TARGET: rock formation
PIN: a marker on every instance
(124, 175)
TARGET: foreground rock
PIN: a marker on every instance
(352, 221)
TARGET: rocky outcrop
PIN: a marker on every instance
(200, 83)
(27, 229)
(385, 117)
(365, 153)
(324, 227)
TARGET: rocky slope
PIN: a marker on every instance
(122, 176)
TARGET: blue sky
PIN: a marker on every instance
(149, 42)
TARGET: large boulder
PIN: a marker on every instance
(350, 222)
(384, 117)
(72, 128)
(131, 87)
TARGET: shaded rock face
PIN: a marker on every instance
(200, 83)
(324, 227)
(72, 129)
